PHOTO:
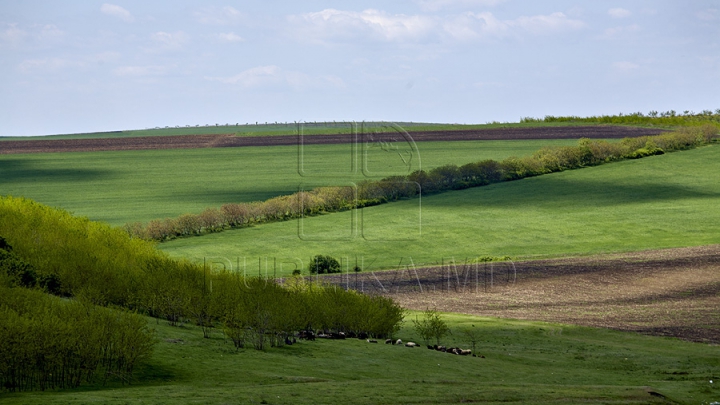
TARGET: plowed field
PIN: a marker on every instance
(230, 140)
(670, 292)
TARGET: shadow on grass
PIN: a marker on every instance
(22, 171)
(231, 196)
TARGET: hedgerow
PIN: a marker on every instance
(444, 178)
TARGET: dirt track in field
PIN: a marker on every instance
(230, 140)
(671, 292)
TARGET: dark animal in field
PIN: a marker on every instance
(338, 335)
(465, 352)
(307, 335)
(430, 347)
(398, 342)
(288, 341)
(363, 335)
(352, 335)
(388, 341)
(410, 344)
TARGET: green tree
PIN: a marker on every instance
(431, 326)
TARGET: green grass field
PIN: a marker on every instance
(656, 202)
(261, 129)
(127, 186)
(525, 362)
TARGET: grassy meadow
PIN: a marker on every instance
(656, 202)
(525, 362)
(128, 186)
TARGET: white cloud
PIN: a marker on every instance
(12, 35)
(435, 5)
(51, 64)
(710, 14)
(169, 40)
(117, 11)
(223, 16)
(153, 70)
(625, 66)
(15, 36)
(50, 32)
(332, 25)
(619, 13)
(45, 64)
(230, 37)
(487, 26)
(274, 76)
(544, 24)
(619, 32)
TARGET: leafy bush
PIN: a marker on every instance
(431, 326)
(324, 265)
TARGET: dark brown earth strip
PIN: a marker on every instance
(230, 140)
(670, 292)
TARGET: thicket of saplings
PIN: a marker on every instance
(449, 177)
(669, 118)
(47, 249)
(47, 342)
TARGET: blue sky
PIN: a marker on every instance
(76, 66)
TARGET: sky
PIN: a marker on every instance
(84, 66)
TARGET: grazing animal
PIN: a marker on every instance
(440, 348)
(410, 344)
(388, 341)
(372, 341)
(288, 341)
(363, 335)
(398, 342)
(465, 352)
(307, 335)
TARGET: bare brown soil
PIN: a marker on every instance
(671, 292)
(230, 140)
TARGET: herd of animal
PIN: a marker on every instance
(309, 335)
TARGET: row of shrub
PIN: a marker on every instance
(449, 177)
(669, 118)
(96, 264)
(47, 342)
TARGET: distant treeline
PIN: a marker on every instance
(47, 249)
(670, 118)
(449, 177)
